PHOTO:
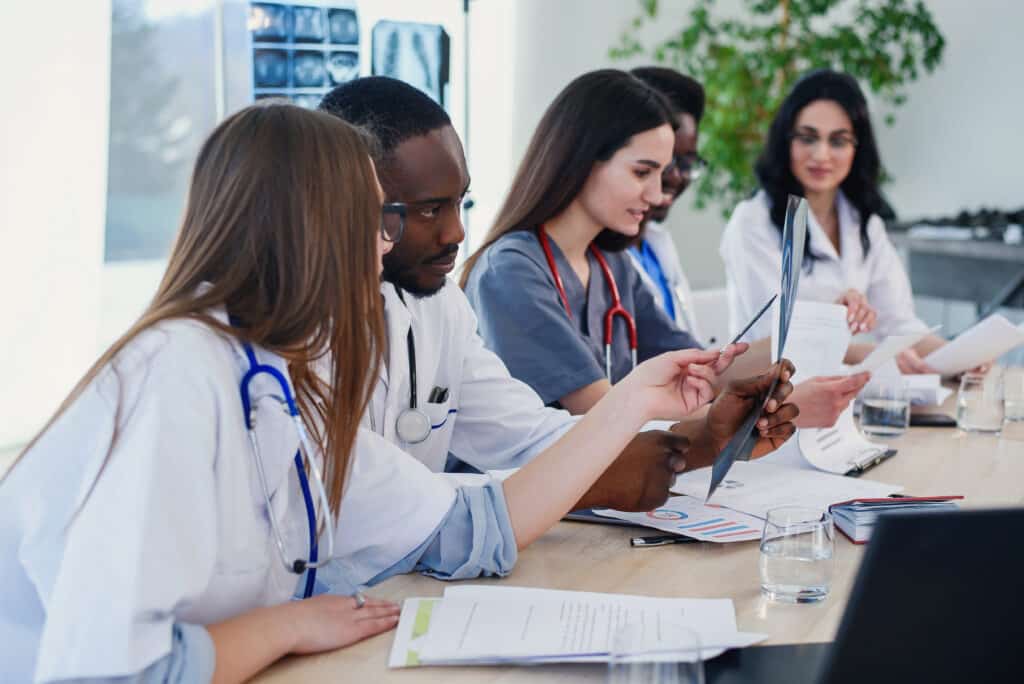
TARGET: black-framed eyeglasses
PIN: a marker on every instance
(690, 165)
(392, 221)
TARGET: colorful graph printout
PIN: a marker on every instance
(689, 517)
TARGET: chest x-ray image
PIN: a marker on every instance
(414, 53)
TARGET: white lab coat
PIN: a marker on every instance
(751, 248)
(489, 420)
(175, 528)
(664, 248)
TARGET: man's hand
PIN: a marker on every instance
(732, 406)
(638, 480)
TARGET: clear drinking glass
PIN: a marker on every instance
(979, 405)
(796, 554)
(885, 409)
(1013, 393)
(637, 658)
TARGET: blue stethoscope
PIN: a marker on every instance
(287, 401)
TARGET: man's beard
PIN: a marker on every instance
(404, 278)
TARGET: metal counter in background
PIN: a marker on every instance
(988, 273)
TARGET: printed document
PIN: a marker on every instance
(690, 517)
(478, 624)
(840, 448)
(984, 342)
(888, 349)
(817, 340)
(755, 488)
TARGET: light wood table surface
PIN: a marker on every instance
(987, 470)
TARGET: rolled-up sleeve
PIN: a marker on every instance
(191, 660)
(475, 539)
(521, 318)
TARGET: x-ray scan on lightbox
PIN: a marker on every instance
(414, 53)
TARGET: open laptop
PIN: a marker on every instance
(938, 598)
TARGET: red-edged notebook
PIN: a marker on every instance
(856, 518)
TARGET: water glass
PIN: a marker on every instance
(979, 405)
(885, 409)
(1013, 393)
(637, 658)
(796, 554)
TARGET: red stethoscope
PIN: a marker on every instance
(616, 308)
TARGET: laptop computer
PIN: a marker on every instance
(939, 598)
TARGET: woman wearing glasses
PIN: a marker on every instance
(158, 526)
(821, 146)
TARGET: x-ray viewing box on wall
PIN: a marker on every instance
(415, 53)
(301, 51)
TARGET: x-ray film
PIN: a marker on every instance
(794, 237)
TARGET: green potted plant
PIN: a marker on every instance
(748, 64)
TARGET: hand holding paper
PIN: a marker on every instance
(888, 349)
(985, 342)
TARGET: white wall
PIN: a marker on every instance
(53, 176)
(958, 141)
(956, 144)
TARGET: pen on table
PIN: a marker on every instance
(661, 540)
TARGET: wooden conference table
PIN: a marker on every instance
(987, 470)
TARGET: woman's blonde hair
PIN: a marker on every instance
(282, 221)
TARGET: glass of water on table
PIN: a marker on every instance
(979, 403)
(796, 554)
(885, 408)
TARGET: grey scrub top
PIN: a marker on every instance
(521, 317)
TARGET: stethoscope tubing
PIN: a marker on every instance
(297, 566)
(616, 308)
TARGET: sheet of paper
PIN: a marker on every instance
(689, 517)
(410, 635)
(818, 338)
(888, 349)
(926, 390)
(477, 624)
(837, 449)
(984, 342)
(755, 488)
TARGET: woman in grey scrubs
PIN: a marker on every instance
(546, 276)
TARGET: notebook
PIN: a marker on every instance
(856, 518)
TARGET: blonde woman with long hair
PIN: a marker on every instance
(158, 526)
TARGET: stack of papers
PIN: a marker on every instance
(689, 517)
(491, 625)
(856, 519)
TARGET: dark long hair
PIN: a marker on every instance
(281, 221)
(860, 186)
(588, 122)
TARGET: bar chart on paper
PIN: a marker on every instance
(690, 517)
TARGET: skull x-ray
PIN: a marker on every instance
(414, 53)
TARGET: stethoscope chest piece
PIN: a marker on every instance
(412, 426)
